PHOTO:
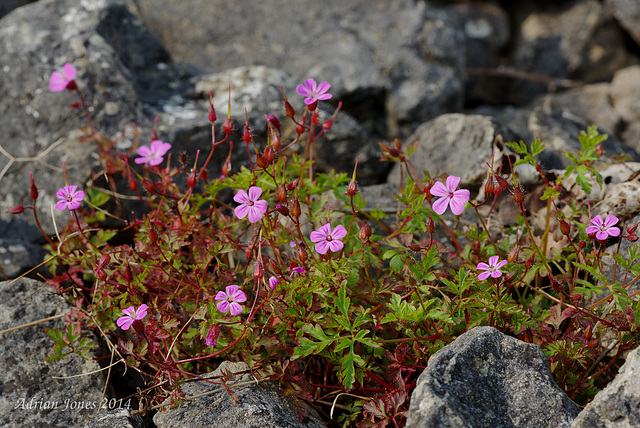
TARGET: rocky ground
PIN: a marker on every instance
(451, 75)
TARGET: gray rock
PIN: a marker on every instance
(577, 40)
(456, 144)
(39, 38)
(117, 418)
(29, 393)
(627, 13)
(260, 405)
(368, 51)
(487, 379)
(617, 404)
(8, 5)
(559, 130)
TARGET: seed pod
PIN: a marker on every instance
(282, 193)
(632, 228)
(289, 110)
(268, 155)
(274, 121)
(504, 185)
(431, 227)
(18, 209)
(326, 126)
(365, 232)
(212, 111)
(295, 208)
(352, 188)
(518, 195)
(227, 126)
(258, 272)
(302, 254)
(513, 255)
(632, 237)
(489, 186)
(246, 133)
(565, 228)
(34, 189)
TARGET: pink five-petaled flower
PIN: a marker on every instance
(313, 92)
(131, 314)
(493, 268)
(449, 196)
(153, 155)
(69, 198)
(59, 81)
(326, 238)
(250, 204)
(230, 300)
(603, 229)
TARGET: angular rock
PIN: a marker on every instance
(456, 144)
(578, 40)
(487, 379)
(8, 5)
(260, 405)
(29, 393)
(116, 58)
(118, 418)
(617, 404)
(368, 51)
(627, 12)
(625, 97)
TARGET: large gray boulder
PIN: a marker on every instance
(33, 392)
(487, 379)
(616, 406)
(258, 405)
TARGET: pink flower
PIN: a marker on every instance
(314, 92)
(493, 268)
(327, 239)
(603, 229)
(299, 269)
(212, 335)
(449, 196)
(69, 198)
(230, 300)
(250, 204)
(153, 155)
(131, 314)
(59, 81)
(273, 282)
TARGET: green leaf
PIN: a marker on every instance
(397, 264)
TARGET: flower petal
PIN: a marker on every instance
(592, 229)
(496, 274)
(57, 82)
(597, 220)
(613, 231)
(235, 309)
(223, 306)
(493, 260)
(70, 72)
(484, 275)
(610, 221)
(502, 263)
(302, 90)
(323, 87)
(452, 183)
(339, 232)
(261, 206)
(241, 211)
(254, 193)
(61, 205)
(483, 266)
(322, 247)
(457, 205)
(438, 189)
(254, 214)
(335, 245)
(440, 206)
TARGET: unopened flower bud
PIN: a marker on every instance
(489, 186)
(258, 272)
(153, 234)
(246, 134)
(299, 129)
(352, 188)
(18, 209)
(282, 209)
(504, 185)
(128, 275)
(508, 279)
(227, 126)
(282, 193)
(302, 254)
(565, 228)
(365, 232)
(149, 186)
(312, 107)
(260, 161)
(632, 228)
(415, 247)
(529, 261)
(274, 121)
(212, 111)
(518, 195)
(275, 140)
(431, 227)
(226, 167)
(34, 189)
(293, 184)
(326, 126)
(268, 155)
(295, 208)
(632, 237)
(582, 244)
(288, 108)
(191, 179)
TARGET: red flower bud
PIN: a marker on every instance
(226, 167)
(312, 107)
(262, 163)
(289, 110)
(529, 261)
(315, 118)
(18, 209)
(34, 189)
(299, 129)
(212, 111)
(258, 272)
(227, 126)
(246, 134)
(415, 247)
(191, 180)
(582, 244)
(133, 184)
(565, 228)
(489, 186)
(518, 195)
(632, 237)
(74, 104)
(72, 85)
(128, 275)
(632, 228)
(282, 193)
(326, 126)
(431, 227)
(153, 234)
(365, 232)
(274, 121)
(295, 208)
(302, 254)
(504, 185)
(282, 209)
(268, 155)
(352, 188)
(293, 184)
